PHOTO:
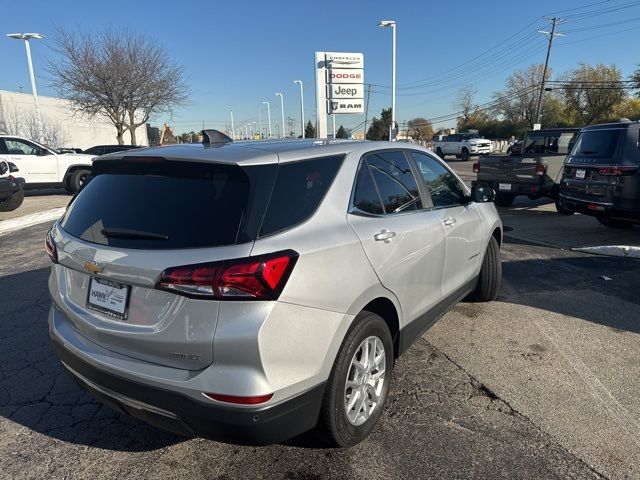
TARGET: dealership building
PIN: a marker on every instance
(61, 127)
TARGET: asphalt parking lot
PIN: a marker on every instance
(539, 384)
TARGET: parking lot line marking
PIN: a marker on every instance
(619, 413)
(14, 224)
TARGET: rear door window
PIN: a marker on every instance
(298, 190)
(169, 205)
(395, 181)
(366, 197)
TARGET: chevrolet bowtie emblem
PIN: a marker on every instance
(93, 267)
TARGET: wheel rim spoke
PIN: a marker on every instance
(365, 380)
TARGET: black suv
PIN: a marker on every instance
(105, 149)
(601, 175)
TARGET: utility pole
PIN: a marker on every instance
(366, 111)
(552, 34)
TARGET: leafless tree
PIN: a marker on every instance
(518, 101)
(465, 105)
(117, 74)
(24, 123)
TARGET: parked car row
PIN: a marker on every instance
(594, 171)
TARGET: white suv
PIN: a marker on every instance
(40, 166)
(250, 291)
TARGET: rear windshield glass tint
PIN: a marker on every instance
(299, 189)
(597, 144)
(169, 205)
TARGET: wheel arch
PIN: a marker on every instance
(387, 310)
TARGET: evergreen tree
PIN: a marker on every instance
(309, 130)
(341, 133)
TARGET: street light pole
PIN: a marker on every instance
(269, 116)
(233, 126)
(301, 106)
(282, 110)
(392, 24)
(260, 123)
(26, 37)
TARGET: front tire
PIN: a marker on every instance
(440, 153)
(464, 155)
(608, 222)
(77, 179)
(490, 277)
(359, 382)
(13, 202)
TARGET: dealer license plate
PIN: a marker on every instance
(108, 297)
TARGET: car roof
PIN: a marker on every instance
(612, 126)
(259, 152)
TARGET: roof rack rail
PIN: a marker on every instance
(212, 136)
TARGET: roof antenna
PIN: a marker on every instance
(214, 137)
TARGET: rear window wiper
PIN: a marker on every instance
(132, 234)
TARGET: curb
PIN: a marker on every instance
(14, 224)
(624, 251)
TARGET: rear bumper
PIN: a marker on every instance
(598, 209)
(9, 187)
(517, 188)
(185, 415)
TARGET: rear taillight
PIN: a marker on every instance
(50, 247)
(541, 169)
(255, 278)
(476, 167)
(617, 171)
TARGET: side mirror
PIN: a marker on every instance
(13, 168)
(482, 194)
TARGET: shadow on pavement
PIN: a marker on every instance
(542, 283)
(37, 393)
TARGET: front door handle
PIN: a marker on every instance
(449, 221)
(384, 236)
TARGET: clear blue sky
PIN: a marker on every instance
(237, 54)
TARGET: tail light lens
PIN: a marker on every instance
(476, 167)
(254, 278)
(50, 247)
(617, 171)
(541, 169)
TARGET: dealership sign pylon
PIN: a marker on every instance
(339, 86)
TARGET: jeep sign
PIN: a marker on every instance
(337, 90)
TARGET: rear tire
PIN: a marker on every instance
(77, 179)
(608, 222)
(504, 199)
(464, 155)
(440, 153)
(488, 285)
(13, 202)
(335, 426)
(561, 210)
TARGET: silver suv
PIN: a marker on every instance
(249, 292)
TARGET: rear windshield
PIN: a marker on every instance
(166, 205)
(548, 143)
(158, 204)
(597, 145)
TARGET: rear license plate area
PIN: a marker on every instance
(504, 187)
(580, 173)
(109, 298)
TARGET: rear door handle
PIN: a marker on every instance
(449, 221)
(384, 236)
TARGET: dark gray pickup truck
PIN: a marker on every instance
(536, 173)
